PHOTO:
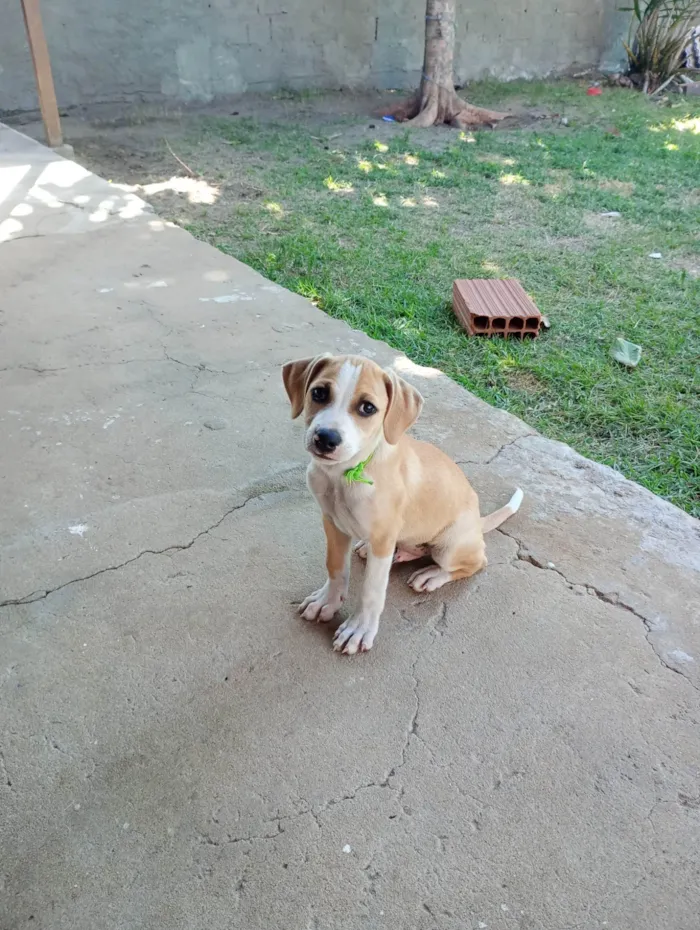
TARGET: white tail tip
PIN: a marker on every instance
(494, 520)
(516, 500)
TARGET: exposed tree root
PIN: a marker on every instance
(433, 106)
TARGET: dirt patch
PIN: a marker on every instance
(156, 149)
(570, 243)
(352, 117)
(184, 182)
(603, 224)
(524, 381)
(690, 265)
(623, 188)
(553, 190)
(691, 200)
(559, 182)
(128, 161)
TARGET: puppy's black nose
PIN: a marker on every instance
(326, 440)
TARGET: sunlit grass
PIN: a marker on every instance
(514, 179)
(342, 187)
(687, 125)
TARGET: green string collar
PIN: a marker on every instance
(357, 473)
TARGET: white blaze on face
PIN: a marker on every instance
(337, 414)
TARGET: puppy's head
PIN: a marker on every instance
(348, 403)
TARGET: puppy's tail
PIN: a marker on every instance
(500, 516)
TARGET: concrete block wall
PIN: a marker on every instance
(179, 51)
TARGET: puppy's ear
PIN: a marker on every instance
(296, 377)
(405, 404)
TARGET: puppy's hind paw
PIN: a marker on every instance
(429, 579)
(361, 548)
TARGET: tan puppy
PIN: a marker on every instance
(402, 499)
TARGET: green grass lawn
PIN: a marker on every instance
(375, 230)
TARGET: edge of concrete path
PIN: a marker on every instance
(64, 196)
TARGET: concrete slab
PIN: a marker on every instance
(178, 750)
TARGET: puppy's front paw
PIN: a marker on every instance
(356, 634)
(323, 604)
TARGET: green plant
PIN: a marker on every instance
(658, 35)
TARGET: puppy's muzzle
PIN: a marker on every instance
(326, 441)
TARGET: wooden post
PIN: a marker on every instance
(42, 71)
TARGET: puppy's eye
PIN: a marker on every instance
(366, 409)
(319, 395)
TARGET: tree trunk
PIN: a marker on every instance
(436, 101)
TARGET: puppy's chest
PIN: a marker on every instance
(349, 506)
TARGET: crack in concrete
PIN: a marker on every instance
(229, 840)
(45, 371)
(372, 876)
(615, 895)
(436, 630)
(199, 368)
(5, 779)
(614, 599)
(42, 595)
(279, 821)
(143, 304)
(413, 723)
(384, 782)
(492, 458)
(507, 445)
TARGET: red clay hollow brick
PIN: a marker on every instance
(485, 307)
